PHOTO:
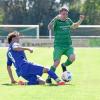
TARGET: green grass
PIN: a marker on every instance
(94, 42)
(85, 84)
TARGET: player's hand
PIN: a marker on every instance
(31, 50)
(82, 17)
(21, 83)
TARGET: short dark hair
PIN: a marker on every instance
(63, 9)
(12, 35)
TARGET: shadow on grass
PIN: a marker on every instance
(8, 84)
(67, 84)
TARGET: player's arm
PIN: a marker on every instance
(76, 25)
(51, 24)
(10, 74)
(18, 47)
(9, 64)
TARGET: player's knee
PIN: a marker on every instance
(45, 70)
(56, 63)
(72, 58)
(41, 81)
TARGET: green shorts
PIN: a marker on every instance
(59, 51)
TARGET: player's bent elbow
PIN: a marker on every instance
(75, 25)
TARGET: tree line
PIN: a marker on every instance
(42, 11)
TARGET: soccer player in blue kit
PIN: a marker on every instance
(25, 69)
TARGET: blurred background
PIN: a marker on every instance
(40, 12)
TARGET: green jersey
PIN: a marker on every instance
(62, 32)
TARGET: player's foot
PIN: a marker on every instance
(48, 81)
(61, 83)
(63, 67)
(21, 83)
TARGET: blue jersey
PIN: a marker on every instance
(18, 58)
(23, 67)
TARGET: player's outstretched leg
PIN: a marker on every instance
(53, 68)
(48, 80)
(54, 76)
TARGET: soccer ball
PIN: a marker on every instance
(66, 76)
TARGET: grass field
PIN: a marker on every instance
(85, 84)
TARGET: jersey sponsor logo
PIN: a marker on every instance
(64, 27)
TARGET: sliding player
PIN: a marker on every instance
(27, 70)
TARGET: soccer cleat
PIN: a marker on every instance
(63, 67)
(61, 83)
(21, 83)
(48, 81)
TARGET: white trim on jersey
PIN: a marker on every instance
(16, 45)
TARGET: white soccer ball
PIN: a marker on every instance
(66, 76)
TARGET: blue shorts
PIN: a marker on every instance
(29, 71)
(32, 79)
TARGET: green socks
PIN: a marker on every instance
(68, 62)
(53, 68)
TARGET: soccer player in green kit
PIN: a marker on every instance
(61, 26)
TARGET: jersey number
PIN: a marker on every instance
(11, 57)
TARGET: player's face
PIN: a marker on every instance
(64, 14)
(16, 39)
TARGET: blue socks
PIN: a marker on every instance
(52, 74)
